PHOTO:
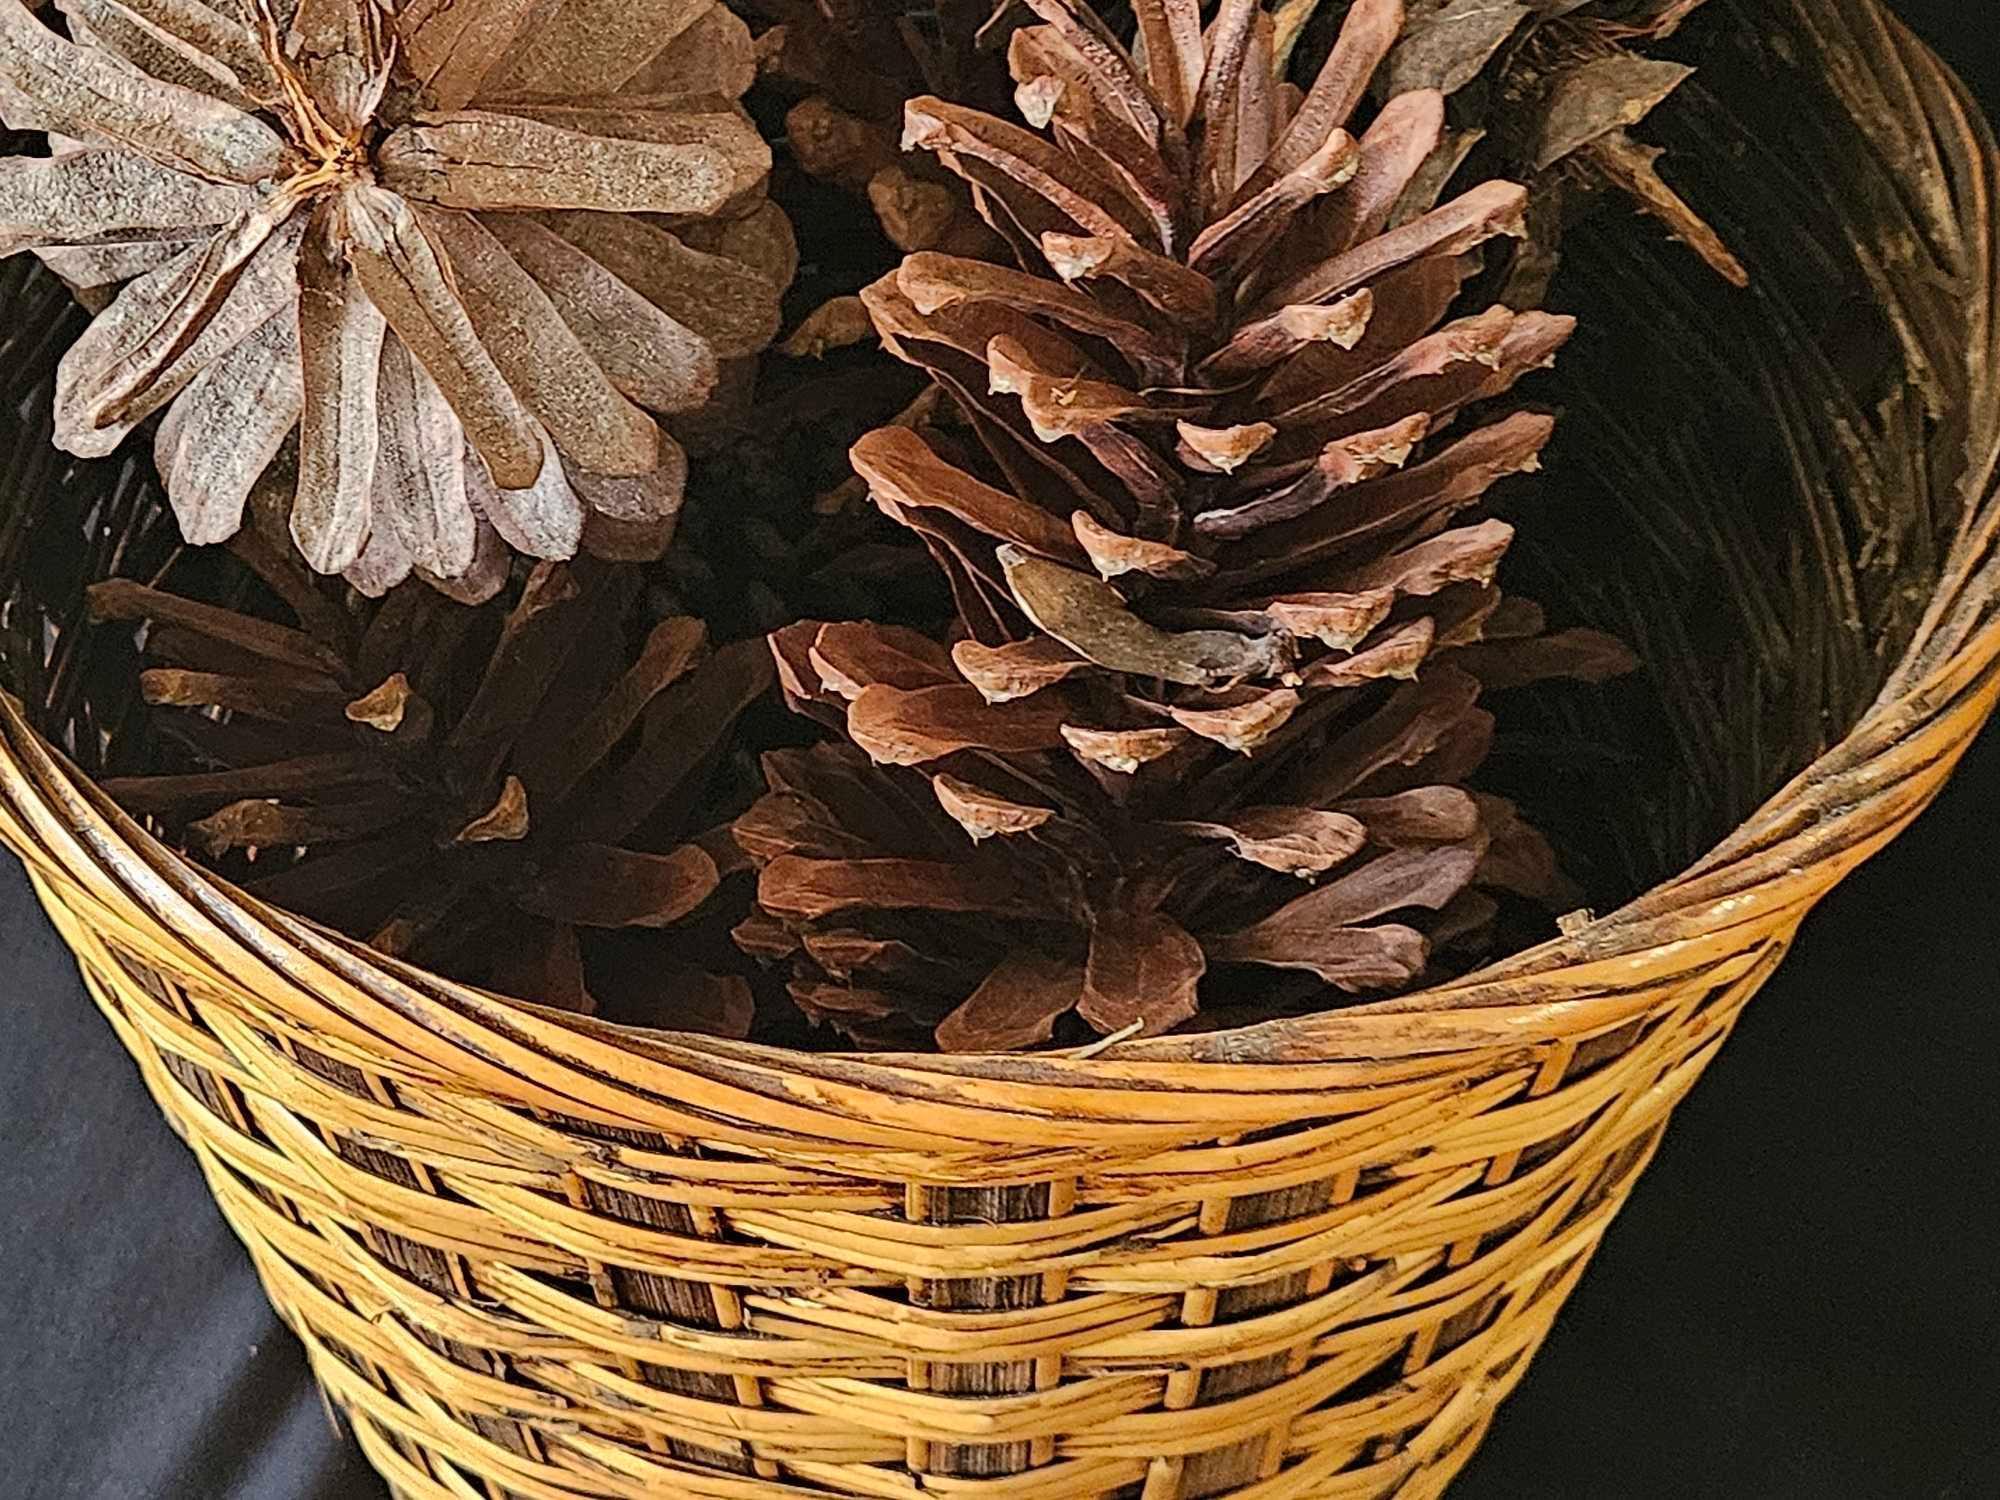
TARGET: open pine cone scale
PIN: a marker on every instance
(462, 258)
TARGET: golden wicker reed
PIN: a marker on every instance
(536, 1257)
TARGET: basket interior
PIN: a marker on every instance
(1754, 488)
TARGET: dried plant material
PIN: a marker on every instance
(1398, 653)
(652, 358)
(522, 785)
(1067, 186)
(591, 424)
(157, 39)
(1401, 880)
(594, 885)
(836, 146)
(1047, 941)
(420, 468)
(903, 471)
(1143, 971)
(1114, 554)
(542, 518)
(1057, 406)
(1566, 84)
(730, 305)
(850, 69)
(594, 44)
(1426, 815)
(1123, 750)
(1489, 211)
(1224, 450)
(1093, 620)
(1015, 1007)
(505, 822)
(1201, 517)
(408, 277)
(1467, 554)
(450, 47)
(250, 393)
(96, 193)
(1634, 168)
(1666, 16)
(1341, 621)
(836, 324)
(1236, 239)
(918, 214)
(144, 349)
(341, 333)
(1242, 727)
(1004, 673)
(983, 815)
(1270, 342)
(1547, 83)
(1518, 858)
(1366, 38)
(898, 727)
(388, 707)
(476, 160)
(1448, 43)
(1123, 925)
(809, 890)
(643, 507)
(1299, 841)
(259, 824)
(1598, 97)
(1386, 956)
(851, 658)
(1165, 284)
(1583, 655)
(290, 205)
(47, 83)
(93, 272)
(279, 645)
(253, 696)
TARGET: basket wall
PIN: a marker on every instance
(537, 1257)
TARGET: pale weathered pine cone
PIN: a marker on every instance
(462, 257)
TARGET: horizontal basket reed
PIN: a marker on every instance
(534, 1256)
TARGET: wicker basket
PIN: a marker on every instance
(537, 1257)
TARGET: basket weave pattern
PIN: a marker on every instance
(537, 1257)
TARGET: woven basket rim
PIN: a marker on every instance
(1809, 835)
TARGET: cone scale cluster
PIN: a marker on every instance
(1218, 378)
(1207, 502)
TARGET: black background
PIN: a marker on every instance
(1800, 1300)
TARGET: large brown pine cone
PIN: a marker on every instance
(1203, 511)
